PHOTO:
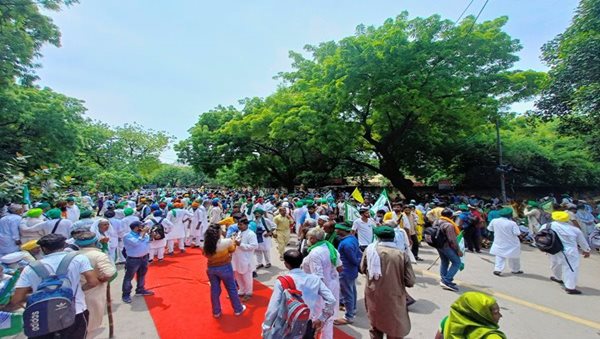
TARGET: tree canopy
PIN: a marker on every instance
(573, 91)
(395, 99)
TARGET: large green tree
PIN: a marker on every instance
(278, 141)
(538, 154)
(573, 91)
(39, 123)
(411, 89)
(23, 32)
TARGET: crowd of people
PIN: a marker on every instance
(325, 239)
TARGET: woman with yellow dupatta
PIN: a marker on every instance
(474, 315)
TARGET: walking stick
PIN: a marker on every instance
(433, 263)
(111, 326)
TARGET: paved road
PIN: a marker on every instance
(532, 305)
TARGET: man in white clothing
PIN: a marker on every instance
(314, 292)
(179, 217)
(323, 260)
(565, 264)
(506, 242)
(363, 227)
(72, 210)
(243, 258)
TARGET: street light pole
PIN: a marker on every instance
(500, 164)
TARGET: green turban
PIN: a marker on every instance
(299, 204)
(122, 205)
(43, 205)
(532, 203)
(54, 213)
(85, 214)
(128, 211)
(384, 232)
(506, 212)
(34, 213)
(463, 207)
(343, 227)
(259, 211)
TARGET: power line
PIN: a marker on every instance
(463, 12)
(478, 14)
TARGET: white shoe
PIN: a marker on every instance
(237, 314)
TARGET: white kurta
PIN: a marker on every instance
(243, 257)
(178, 217)
(28, 231)
(266, 244)
(73, 213)
(506, 238)
(571, 237)
(196, 225)
(167, 225)
(318, 262)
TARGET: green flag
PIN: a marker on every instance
(381, 202)
(26, 196)
(350, 213)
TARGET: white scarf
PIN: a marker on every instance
(373, 260)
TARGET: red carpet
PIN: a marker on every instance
(181, 307)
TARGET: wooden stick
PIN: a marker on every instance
(111, 326)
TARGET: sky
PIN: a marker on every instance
(162, 63)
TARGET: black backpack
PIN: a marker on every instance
(435, 236)
(547, 240)
(157, 232)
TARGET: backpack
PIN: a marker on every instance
(51, 307)
(157, 232)
(293, 315)
(547, 240)
(434, 236)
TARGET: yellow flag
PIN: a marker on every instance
(357, 196)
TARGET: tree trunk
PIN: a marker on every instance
(392, 173)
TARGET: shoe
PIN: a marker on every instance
(150, 261)
(144, 293)
(159, 260)
(127, 299)
(449, 287)
(237, 314)
(478, 251)
(557, 280)
(254, 274)
(342, 308)
(498, 273)
(573, 291)
(217, 316)
(470, 251)
(260, 266)
(267, 265)
(170, 253)
(182, 250)
(418, 259)
(246, 297)
(517, 272)
(342, 321)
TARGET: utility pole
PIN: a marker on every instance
(500, 163)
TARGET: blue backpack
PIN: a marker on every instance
(51, 307)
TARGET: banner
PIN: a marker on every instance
(357, 196)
